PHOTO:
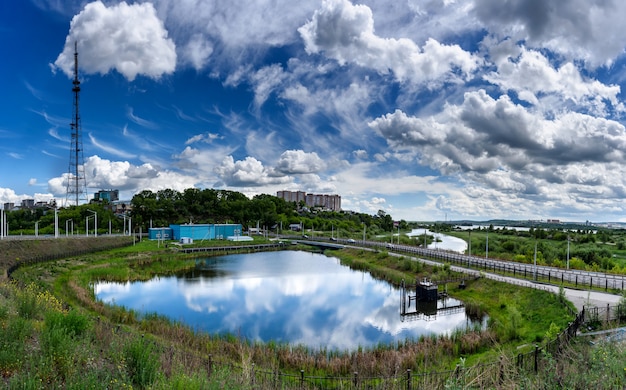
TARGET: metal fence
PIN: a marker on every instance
(540, 273)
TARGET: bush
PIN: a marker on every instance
(57, 348)
(26, 305)
(407, 264)
(4, 312)
(142, 362)
(72, 323)
(12, 344)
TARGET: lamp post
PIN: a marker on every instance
(66, 224)
(535, 260)
(56, 222)
(364, 230)
(87, 218)
(398, 234)
(568, 251)
(95, 222)
(487, 246)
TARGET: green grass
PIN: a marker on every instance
(92, 345)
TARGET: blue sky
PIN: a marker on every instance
(431, 109)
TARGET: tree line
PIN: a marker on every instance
(164, 207)
(194, 205)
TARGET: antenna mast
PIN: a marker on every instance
(76, 182)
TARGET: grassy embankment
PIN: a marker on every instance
(46, 342)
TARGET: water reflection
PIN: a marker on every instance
(288, 296)
(442, 241)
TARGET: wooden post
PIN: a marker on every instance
(210, 368)
(408, 379)
(536, 358)
(301, 378)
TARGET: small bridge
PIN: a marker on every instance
(320, 244)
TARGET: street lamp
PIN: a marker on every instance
(487, 246)
(364, 229)
(56, 222)
(567, 250)
(87, 218)
(95, 222)
(66, 229)
(535, 259)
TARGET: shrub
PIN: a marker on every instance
(12, 345)
(407, 264)
(142, 362)
(26, 305)
(72, 323)
(4, 312)
(57, 348)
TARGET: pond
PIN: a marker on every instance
(288, 297)
(442, 241)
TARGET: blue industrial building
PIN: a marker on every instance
(196, 232)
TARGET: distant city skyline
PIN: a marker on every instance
(432, 110)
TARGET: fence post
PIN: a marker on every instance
(210, 369)
(591, 282)
(536, 358)
(252, 377)
(608, 309)
(355, 379)
(501, 369)
(301, 378)
(408, 379)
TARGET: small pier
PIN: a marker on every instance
(426, 298)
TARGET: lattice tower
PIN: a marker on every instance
(76, 182)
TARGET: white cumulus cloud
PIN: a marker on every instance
(345, 32)
(298, 162)
(130, 39)
(248, 172)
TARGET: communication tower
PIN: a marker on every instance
(76, 182)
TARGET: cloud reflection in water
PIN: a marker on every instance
(289, 296)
